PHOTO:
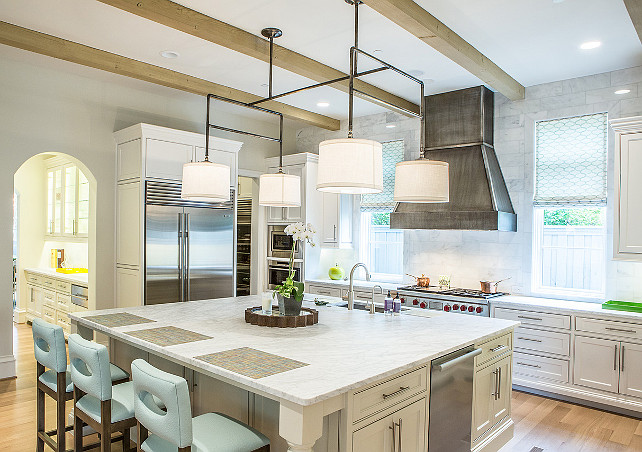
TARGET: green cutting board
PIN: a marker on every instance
(616, 305)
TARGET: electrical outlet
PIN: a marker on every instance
(516, 290)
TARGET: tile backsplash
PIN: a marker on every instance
(470, 256)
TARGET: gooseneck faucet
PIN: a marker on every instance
(351, 289)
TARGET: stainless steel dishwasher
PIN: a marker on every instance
(451, 401)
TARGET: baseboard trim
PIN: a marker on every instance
(7, 367)
(19, 315)
(497, 438)
(582, 396)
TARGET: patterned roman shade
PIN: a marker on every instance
(393, 152)
(570, 166)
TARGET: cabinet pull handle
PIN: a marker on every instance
(499, 383)
(529, 339)
(494, 393)
(622, 358)
(498, 348)
(394, 436)
(621, 330)
(396, 393)
(529, 318)
(399, 434)
(335, 232)
(615, 358)
(529, 365)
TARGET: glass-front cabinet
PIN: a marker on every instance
(67, 202)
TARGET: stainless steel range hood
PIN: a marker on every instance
(459, 130)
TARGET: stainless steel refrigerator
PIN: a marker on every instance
(189, 246)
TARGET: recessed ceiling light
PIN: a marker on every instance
(416, 73)
(264, 85)
(623, 91)
(589, 45)
(377, 51)
(169, 54)
(390, 126)
(323, 104)
(558, 1)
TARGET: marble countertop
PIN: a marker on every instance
(346, 350)
(562, 306)
(81, 279)
(359, 284)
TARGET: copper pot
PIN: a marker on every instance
(422, 281)
(490, 286)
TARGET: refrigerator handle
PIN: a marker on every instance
(180, 256)
(186, 246)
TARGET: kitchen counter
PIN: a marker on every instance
(562, 306)
(80, 279)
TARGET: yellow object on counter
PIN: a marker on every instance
(72, 270)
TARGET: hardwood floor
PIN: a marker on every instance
(540, 423)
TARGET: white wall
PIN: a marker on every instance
(469, 256)
(52, 106)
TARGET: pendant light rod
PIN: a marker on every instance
(353, 66)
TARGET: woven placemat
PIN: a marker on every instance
(118, 319)
(251, 362)
(168, 335)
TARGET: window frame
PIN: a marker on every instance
(364, 251)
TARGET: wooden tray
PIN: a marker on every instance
(307, 317)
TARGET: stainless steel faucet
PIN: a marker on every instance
(351, 289)
(372, 304)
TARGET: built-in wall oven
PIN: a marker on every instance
(278, 271)
(280, 244)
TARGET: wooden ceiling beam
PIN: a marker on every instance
(192, 22)
(634, 7)
(34, 41)
(413, 18)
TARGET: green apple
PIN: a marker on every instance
(336, 273)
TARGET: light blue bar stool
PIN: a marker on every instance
(50, 353)
(105, 408)
(174, 429)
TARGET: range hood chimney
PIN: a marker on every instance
(459, 130)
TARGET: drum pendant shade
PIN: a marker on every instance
(350, 166)
(206, 181)
(279, 190)
(421, 180)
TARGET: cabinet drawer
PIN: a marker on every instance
(363, 295)
(494, 348)
(63, 287)
(541, 368)
(62, 319)
(63, 302)
(49, 314)
(324, 290)
(33, 279)
(49, 298)
(611, 327)
(386, 394)
(48, 282)
(535, 318)
(543, 341)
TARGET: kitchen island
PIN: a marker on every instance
(326, 384)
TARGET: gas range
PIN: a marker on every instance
(463, 301)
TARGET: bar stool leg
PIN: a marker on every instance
(60, 411)
(126, 440)
(141, 435)
(40, 410)
(78, 423)
(105, 421)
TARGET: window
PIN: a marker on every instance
(380, 247)
(569, 234)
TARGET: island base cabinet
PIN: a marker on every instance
(402, 431)
(491, 396)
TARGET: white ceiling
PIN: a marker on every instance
(535, 41)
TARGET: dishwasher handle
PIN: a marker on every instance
(455, 361)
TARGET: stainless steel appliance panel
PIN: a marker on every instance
(280, 244)
(80, 296)
(163, 251)
(209, 253)
(279, 271)
(451, 401)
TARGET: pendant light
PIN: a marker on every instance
(206, 181)
(349, 165)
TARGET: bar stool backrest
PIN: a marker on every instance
(174, 425)
(90, 367)
(49, 345)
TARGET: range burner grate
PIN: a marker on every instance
(471, 293)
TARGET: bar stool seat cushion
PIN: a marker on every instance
(122, 403)
(214, 432)
(50, 378)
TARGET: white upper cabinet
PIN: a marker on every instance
(165, 159)
(67, 201)
(627, 229)
(337, 221)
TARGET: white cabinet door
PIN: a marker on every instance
(629, 215)
(411, 427)
(376, 437)
(128, 229)
(501, 403)
(631, 369)
(596, 363)
(129, 158)
(165, 160)
(330, 229)
(128, 288)
(293, 214)
(483, 400)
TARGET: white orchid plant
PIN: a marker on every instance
(290, 288)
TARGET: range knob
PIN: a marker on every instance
(455, 307)
(415, 302)
(471, 308)
(463, 307)
(423, 305)
(403, 300)
(447, 307)
(479, 309)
